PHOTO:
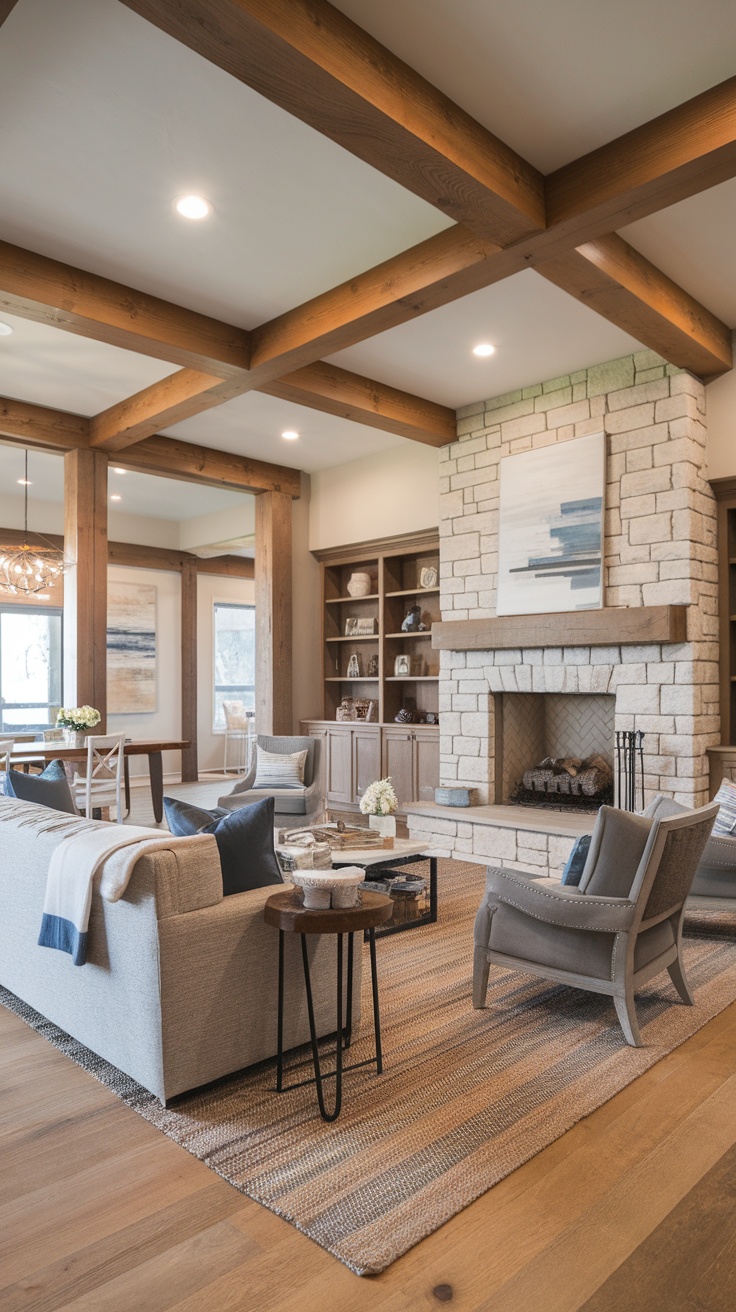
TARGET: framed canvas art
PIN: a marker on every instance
(131, 648)
(550, 530)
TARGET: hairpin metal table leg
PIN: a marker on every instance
(376, 1010)
(326, 1116)
(280, 1050)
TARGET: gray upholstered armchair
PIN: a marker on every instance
(714, 885)
(620, 927)
(295, 805)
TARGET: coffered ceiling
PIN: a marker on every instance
(108, 118)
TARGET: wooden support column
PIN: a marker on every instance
(189, 764)
(273, 613)
(85, 585)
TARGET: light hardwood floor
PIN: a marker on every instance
(634, 1209)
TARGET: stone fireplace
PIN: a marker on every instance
(531, 726)
(659, 551)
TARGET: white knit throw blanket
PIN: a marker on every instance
(72, 870)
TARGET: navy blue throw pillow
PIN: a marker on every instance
(244, 840)
(51, 788)
(576, 861)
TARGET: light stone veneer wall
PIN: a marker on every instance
(660, 547)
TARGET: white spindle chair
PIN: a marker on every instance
(239, 730)
(103, 783)
(6, 747)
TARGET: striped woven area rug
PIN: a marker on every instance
(466, 1096)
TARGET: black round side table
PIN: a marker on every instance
(288, 915)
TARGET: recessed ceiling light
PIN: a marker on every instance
(119, 471)
(6, 330)
(24, 482)
(483, 349)
(193, 207)
(290, 435)
(115, 497)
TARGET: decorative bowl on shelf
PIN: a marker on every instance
(323, 889)
(359, 584)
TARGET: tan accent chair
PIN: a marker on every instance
(618, 929)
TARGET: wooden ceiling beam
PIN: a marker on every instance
(350, 396)
(314, 62)
(39, 426)
(612, 278)
(167, 402)
(46, 291)
(200, 464)
(682, 152)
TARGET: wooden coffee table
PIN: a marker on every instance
(287, 914)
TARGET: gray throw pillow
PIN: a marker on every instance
(244, 840)
(51, 788)
(616, 848)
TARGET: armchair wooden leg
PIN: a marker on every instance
(626, 1012)
(676, 972)
(481, 970)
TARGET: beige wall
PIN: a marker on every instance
(721, 413)
(396, 491)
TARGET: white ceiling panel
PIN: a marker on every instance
(252, 425)
(538, 331)
(48, 366)
(106, 121)
(693, 242)
(557, 80)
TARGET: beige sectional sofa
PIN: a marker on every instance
(180, 984)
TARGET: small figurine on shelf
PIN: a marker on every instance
(373, 667)
(404, 716)
(354, 666)
(413, 621)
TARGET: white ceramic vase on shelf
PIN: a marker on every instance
(359, 584)
(384, 824)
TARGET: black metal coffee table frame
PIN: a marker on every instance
(374, 870)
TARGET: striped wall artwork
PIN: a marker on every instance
(550, 541)
(131, 648)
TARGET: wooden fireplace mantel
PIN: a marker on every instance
(610, 627)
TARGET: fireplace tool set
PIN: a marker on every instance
(629, 768)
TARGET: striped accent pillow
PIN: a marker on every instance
(726, 799)
(274, 770)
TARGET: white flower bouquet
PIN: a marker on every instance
(77, 717)
(379, 798)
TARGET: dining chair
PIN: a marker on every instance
(239, 732)
(102, 785)
(6, 747)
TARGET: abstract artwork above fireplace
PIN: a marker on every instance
(551, 528)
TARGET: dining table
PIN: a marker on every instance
(40, 752)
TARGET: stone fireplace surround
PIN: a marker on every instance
(660, 548)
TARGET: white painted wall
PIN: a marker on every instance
(720, 400)
(165, 721)
(394, 492)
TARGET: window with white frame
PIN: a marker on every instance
(234, 658)
(30, 668)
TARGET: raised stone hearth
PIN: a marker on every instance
(659, 550)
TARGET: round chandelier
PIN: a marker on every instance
(25, 569)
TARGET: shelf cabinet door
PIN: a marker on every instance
(366, 758)
(426, 765)
(398, 762)
(339, 766)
